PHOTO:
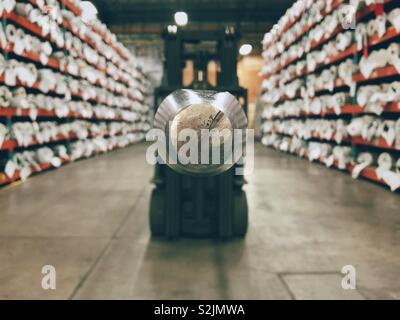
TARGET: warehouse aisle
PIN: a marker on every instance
(89, 220)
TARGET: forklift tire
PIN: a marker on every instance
(157, 214)
(240, 214)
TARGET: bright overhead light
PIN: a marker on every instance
(172, 29)
(245, 49)
(181, 18)
(88, 12)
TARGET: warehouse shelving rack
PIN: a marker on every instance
(131, 85)
(349, 110)
(351, 51)
(24, 23)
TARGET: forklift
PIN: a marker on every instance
(185, 205)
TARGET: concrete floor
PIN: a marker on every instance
(90, 221)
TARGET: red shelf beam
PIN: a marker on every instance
(10, 112)
(315, 135)
(35, 57)
(378, 73)
(393, 107)
(347, 109)
(368, 173)
(379, 143)
(76, 11)
(43, 167)
(8, 145)
(12, 144)
(74, 94)
(391, 33)
(352, 109)
(23, 22)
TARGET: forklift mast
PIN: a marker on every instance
(224, 52)
(199, 206)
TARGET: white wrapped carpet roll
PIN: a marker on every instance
(394, 18)
(343, 40)
(314, 151)
(27, 74)
(20, 42)
(355, 128)
(377, 26)
(385, 163)
(61, 151)
(44, 155)
(393, 53)
(387, 131)
(388, 171)
(5, 97)
(397, 166)
(346, 70)
(19, 98)
(342, 155)
(3, 38)
(10, 75)
(364, 160)
(8, 5)
(377, 59)
(361, 35)
(23, 9)
(397, 134)
(370, 129)
(3, 133)
(365, 93)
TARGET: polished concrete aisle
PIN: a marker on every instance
(90, 221)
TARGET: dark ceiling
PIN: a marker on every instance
(161, 11)
(149, 17)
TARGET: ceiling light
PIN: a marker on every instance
(245, 49)
(181, 18)
(172, 29)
